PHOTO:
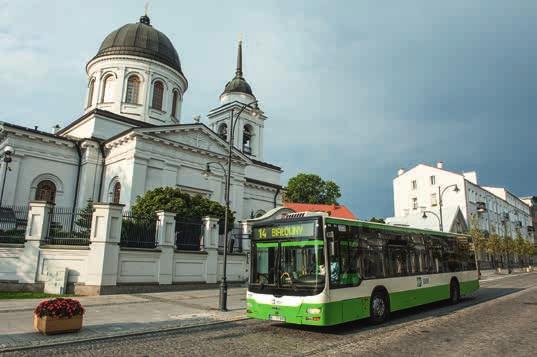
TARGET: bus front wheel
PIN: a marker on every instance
(454, 292)
(379, 309)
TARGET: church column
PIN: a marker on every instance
(138, 180)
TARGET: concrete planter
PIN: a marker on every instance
(53, 325)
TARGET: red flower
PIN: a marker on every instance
(59, 307)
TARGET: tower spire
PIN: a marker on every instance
(238, 73)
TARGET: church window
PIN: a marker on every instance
(247, 139)
(46, 191)
(222, 131)
(108, 89)
(117, 193)
(175, 99)
(133, 88)
(90, 91)
(158, 95)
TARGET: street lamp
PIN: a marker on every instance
(227, 173)
(440, 202)
(424, 216)
(8, 153)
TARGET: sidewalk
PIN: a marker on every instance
(118, 315)
(491, 274)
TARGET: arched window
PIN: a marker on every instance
(90, 91)
(158, 95)
(46, 191)
(247, 139)
(175, 98)
(108, 89)
(117, 193)
(222, 131)
(133, 88)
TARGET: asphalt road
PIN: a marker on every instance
(500, 319)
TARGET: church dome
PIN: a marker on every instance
(238, 84)
(141, 40)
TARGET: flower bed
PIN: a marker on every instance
(58, 316)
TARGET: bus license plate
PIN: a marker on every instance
(277, 318)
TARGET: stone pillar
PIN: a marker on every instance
(36, 232)
(246, 231)
(103, 258)
(166, 243)
(210, 245)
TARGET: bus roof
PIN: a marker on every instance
(388, 227)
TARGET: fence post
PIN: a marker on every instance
(166, 243)
(210, 245)
(36, 232)
(103, 258)
(246, 231)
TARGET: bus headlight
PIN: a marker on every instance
(313, 310)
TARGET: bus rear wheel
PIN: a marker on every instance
(454, 292)
(379, 310)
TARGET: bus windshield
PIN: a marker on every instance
(294, 265)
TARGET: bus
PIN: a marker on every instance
(312, 269)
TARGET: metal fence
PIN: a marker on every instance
(13, 220)
(235, 240)
(188, 234)
(138, 232)
(68, 226)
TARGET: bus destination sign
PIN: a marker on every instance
(292, 230)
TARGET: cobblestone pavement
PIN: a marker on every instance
(499, 320)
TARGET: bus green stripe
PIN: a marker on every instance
(290, 244)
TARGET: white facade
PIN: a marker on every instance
(417, 190)
(123, 139)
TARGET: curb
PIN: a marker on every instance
(120, 335)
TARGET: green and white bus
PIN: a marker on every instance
(312, 269)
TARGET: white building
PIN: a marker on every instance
(496, 210)
(130, 138)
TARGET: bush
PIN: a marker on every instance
(59, 307)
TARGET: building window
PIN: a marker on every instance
(414, 184)
(433, 180)
(414, 203)
(222, 131)
(434, 201)
(108, 89)
(175, 98)
(46, 191)
(247, 139)
(90, 91)
(117, 193)
(133, 88)
(158, 95)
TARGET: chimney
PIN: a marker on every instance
(55, 129)
(400, 172)
(440, 164)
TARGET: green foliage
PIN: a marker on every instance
(519, 245)
(172, 199)
(311, 188)
(494, 244)
(377, 220)
(508, 245)
(478, 236)
(85, 216)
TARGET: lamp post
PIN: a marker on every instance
(440, 202)
(8, 152)
(424, 216)
(227, 173)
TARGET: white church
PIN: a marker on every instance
(130, 138)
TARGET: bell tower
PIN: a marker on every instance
(248, 127)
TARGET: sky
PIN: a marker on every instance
(354, 90)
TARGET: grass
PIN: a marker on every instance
(28, 295)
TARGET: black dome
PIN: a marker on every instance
(141, 40)
(238, 84)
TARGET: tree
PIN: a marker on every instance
(478, 238)
(507, 249)
(172, 199)
(84, 218)
(519, 246)
(494, 246)
(377, 220)
(311, 188)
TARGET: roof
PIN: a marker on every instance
(142, 40)
(337, 211)
(263, 183)
(238, 84)
(110, 115)
(266, 164)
